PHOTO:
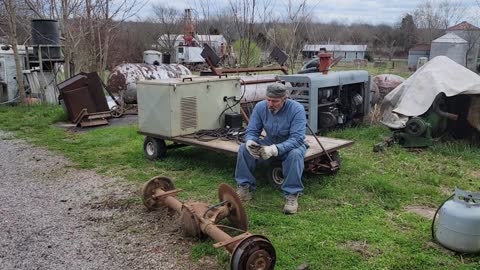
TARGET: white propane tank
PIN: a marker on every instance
(459, 222)
(152, 57)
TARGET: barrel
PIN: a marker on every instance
(45, 33)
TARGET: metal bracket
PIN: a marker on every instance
(232, 240)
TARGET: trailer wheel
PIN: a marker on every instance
(336, 157)
(275, 174)
(154, 148)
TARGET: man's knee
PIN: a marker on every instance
(296, 153)
(243, 148)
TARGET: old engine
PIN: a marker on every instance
(335, 99)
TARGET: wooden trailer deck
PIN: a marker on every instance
(231, 147)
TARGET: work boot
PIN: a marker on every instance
(244, 193)
(291, 205)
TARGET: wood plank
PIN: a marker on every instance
(231, 147)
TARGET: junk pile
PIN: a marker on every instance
(84, 101)
(442, 98)
(254, 85)
(249, 251)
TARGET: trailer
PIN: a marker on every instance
(316, 161)
(172, 110)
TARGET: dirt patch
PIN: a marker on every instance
(447, 190)
(424, 211)
(362, 248)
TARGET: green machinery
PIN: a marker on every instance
(422, 130)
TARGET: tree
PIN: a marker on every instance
(408, 33)
(433, 18)
(243, 13)
(170, 24)
(289, 34)
(252, 51)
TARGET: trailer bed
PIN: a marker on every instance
(231, 147)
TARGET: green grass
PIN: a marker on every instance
(392, 67)
(354, 220)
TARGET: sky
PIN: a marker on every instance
(343, 11)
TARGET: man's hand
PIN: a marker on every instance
(253, 148)
(267, 152)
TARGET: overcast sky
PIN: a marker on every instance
(344, 11)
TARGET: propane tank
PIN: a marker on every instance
(459, 222)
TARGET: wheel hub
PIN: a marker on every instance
(150, 148)
(253, 253)
(150, 188)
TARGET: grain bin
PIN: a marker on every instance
(452, 46)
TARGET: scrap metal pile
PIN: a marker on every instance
(249, 251)
(441, 99)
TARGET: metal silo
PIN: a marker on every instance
(452, 46)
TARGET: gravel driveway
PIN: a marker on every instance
(53, 216)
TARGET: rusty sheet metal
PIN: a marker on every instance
(83, 91)
(125, 76)
(76, 100)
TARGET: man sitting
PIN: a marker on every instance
(284, 121)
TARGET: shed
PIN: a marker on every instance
(420, 50)
(452, 46)
(349, 52)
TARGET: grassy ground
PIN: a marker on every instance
(354, 220)
(397, 67)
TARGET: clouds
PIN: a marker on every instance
(344, 11)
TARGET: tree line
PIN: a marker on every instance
(99, 34)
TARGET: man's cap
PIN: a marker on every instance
(276, 90)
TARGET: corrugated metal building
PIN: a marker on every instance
(471, 34)
(420, 50)
(349, 52)
(452, 46)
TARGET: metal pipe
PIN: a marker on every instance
(258, 81)
(241, 70)
(217, 234)
(170, 201)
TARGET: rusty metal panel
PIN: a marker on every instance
(95, 88)
(76, 100)
(83, 91)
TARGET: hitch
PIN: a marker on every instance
(249, 251)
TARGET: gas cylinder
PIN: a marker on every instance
(459, 222)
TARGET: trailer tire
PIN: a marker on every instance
(275, 175)
(336, 157)
(154, 148)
